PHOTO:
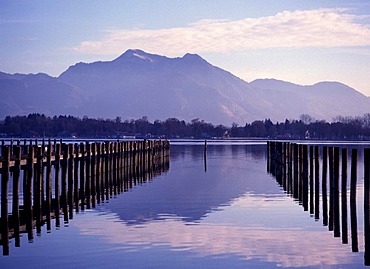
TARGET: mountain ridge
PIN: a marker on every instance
(137, 84)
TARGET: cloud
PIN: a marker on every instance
(288, 29)
(286, 247)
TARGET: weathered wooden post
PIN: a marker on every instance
(82, 176)
(290, 172)
(28, 192)
(76, 195)
(142, 160)
(42, 176)
(98, 172)
(324, 185)
(353, 199)
(312, 207)
(88, 175)
(126, 165)
(49, 187)
(367, 204)
(331, 188)
(107, 170)
(134, 162)
(16, 184)
(114, 165)
(122, 165)
(336, 205)
(64, 198)
(317, 183)
(56, 184)
(301, 173)
(102, 163)
(4, 199)
(118, 166)
(38, 189)
(70, 180)
(305, 177)
(93, 174)
(344, 197)
(296, 170)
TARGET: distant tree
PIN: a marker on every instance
(258, 129)
(306, 119)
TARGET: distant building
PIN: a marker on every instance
(307, 135)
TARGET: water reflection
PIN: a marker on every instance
(257, 244)
(222, 211)
(335, 160)
(191, 193)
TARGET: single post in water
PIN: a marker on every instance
(317, 183)
(367, 205)
(336, 205)
(16, 184)
(353, 205)
(4, 199)
(344, 197)
(324, 185)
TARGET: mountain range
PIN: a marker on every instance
(138, 84)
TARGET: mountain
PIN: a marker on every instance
(323, 100)
(38, 93)
(140, 84)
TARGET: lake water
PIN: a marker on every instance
(220, 211)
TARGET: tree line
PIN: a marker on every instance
(39, 125)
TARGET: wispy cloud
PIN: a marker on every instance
(297, 29)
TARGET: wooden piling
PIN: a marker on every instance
(324, 185)
(353, 204)
(296, 171)
(88, 176)
(336, 203)
(57, 184)
(367, 205)
(331, 188)
(70, 180)
(76, 194)
(80, 174)
(312, 205)
(98, 172)
(305, 177)
(49, 187)
(16, 186)
(344, 196)
(93, 175)
(64, 197)
(38, 183)
(114, 168)
(102, 178)
(4, 200)
(317, 183)
(107, 170)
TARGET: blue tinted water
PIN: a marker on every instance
(224, 211)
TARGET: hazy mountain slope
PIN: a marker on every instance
(40, 93)
(137, 84)
(140, 84)
(323, 100)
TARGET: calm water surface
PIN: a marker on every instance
(222, 211)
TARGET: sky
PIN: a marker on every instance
(303, 42)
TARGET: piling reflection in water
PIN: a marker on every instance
(84, 175)
(296, 160)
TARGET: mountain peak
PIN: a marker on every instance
(193, 58)
(137, 54)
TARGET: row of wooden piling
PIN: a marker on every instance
(85, 174)
(296, 168)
